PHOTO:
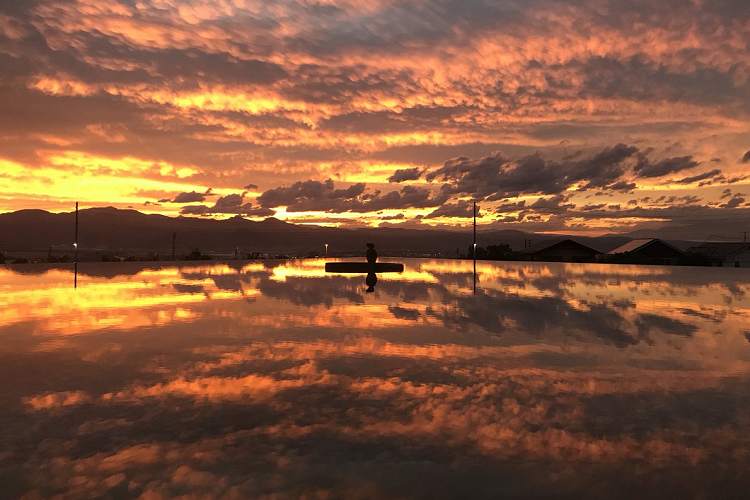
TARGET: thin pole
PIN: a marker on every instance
(75, 258)
(174, 240)
(475, 227)
(76, 236)
(474, 248)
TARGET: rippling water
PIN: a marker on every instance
(252, 379)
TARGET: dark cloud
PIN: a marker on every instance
(101, 59)
(28, 111)
(735, 201)
(309, 193)
(340, 84)
(665, 167)
(622, 186)
(594, 206)
(510, 206)
(407, 197)
(552, 205)
(463, 209)
(406, 174)
(435, 154)
(640, 78)
(699, 177)
(497, 177)
(392, 217)
(315, 195)
(410, 119)
(204, 66)
(229, 204)
(746, 158)
(647, 323)
(195, 210)
(190, 197)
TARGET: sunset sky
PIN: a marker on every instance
(586, 116)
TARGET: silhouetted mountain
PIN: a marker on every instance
(110, 229)
(728, 230)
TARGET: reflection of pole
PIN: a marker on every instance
(475, 276)
(174, 240)
(475, 247)
(75, 275)
(75, 241)
(326, 245)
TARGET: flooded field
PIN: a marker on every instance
(277, 379)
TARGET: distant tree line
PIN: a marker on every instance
(499, 251)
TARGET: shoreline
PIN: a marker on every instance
(278, 260)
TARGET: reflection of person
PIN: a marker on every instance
(372, 255)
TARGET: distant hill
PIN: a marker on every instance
(115, 230)
(729, 230)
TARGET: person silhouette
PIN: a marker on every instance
(372, 255)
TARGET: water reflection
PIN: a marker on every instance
(371, 280)
(252, 379)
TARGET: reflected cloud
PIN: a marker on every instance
(167, 380)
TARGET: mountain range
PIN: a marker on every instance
(129, 231)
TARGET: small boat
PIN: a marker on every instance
(364, 267)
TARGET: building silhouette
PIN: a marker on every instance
(725, 254)
(567, 250)
(646, 251)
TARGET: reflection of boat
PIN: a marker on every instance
(364, 267)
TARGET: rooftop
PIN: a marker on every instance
(631, 246)
(566, 243)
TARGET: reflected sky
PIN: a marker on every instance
(252, 379)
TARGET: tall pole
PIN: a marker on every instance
(75, 258)
(75, 243)
(174, 240)
(475, 229)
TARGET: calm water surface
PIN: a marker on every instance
(250, 380)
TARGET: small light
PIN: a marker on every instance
(75, 245)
